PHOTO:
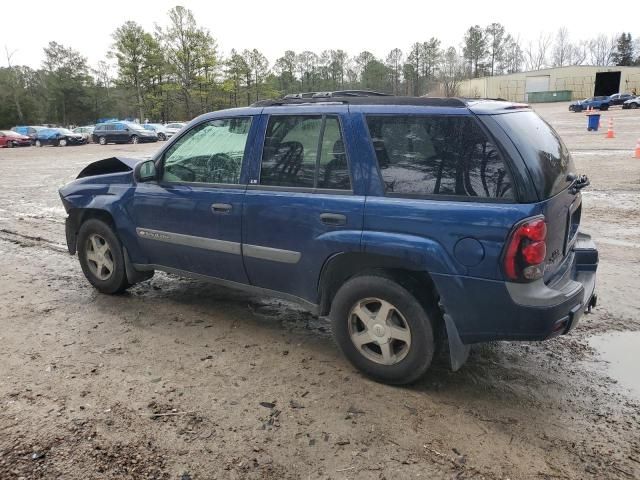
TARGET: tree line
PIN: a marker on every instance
(177, 72)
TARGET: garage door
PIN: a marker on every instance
(538, 83)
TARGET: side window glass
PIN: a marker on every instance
(333, 169)
(211, 152)
(438, 155)
(290, 151)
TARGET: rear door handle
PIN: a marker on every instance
(333, 219)
(221, 208)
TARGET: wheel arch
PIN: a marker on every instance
(341, 267)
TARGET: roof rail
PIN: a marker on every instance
(338, 93)
(355, 98)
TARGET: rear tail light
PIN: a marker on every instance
(526, 250)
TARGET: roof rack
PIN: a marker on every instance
(338, 93)
(360, 97)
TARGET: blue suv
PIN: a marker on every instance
(410, 222)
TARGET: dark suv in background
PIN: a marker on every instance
(408, 221)
(122, 132)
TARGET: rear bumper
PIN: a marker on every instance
(517, 311)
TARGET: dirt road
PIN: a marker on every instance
(182, 380)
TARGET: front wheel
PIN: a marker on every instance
(9, 144)
(102, 141)
(38, 143)
(62, 142)
(382, 329)
(134, 139)
(162, 137)
(101, 257)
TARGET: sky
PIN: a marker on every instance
(273, 27)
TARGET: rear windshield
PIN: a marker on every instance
(547, 157)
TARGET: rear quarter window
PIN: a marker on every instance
(438, 155)
(548, 159)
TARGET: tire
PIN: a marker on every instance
(406, 359)
(38, 143)
(604, 108)
(162, 137)
(62, 142)
(634, 106)
(101, 257)
(134, 139)
(9, 144)
(102, 140)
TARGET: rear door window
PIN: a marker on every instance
(304, 151)
(438, 155)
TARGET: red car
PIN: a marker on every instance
(12, 139)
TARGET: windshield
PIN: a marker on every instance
(65, 131)
(546, 156)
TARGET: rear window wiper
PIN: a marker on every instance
(578, 182)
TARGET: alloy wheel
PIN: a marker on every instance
(99, 257)
(379, 331)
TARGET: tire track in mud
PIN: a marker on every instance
(31, 240)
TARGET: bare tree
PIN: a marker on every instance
(513, 58)
(15, 84)
(394, 63)
(601, 50)
(536, 54)
(562, 49)
(579, 53)
(451, 72)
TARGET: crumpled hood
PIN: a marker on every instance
(109, 165)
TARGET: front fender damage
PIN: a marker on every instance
(108, 165)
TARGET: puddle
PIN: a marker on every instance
(621, 351)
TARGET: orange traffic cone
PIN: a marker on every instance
(610, 133)
(637, 155)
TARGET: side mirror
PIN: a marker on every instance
(145, 171)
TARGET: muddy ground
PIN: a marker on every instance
(182, 380)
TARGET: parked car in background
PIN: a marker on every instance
(29, 131)
(122, 132)
(159, 129)
(619, 98)
(632, 103)
(9, 139)
(174, 127)
(408, 221)
(58, 137)
(598, 103)
(86, 132)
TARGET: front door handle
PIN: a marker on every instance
(221, 208)
(333, 219)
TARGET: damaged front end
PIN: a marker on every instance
(93, 191)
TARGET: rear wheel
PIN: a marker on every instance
(102, 140)
(382, 329)
(134, 139)
(101, 257)
(634, 105)
(9, 144)
(162, 137)
(62, 142)
(38, 143)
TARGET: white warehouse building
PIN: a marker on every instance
(555, 84)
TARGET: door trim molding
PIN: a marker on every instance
(204, 243)
(273, 254)
(223, 246)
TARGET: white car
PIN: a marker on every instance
(160, 130)
(632, 103)
(174, 127)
